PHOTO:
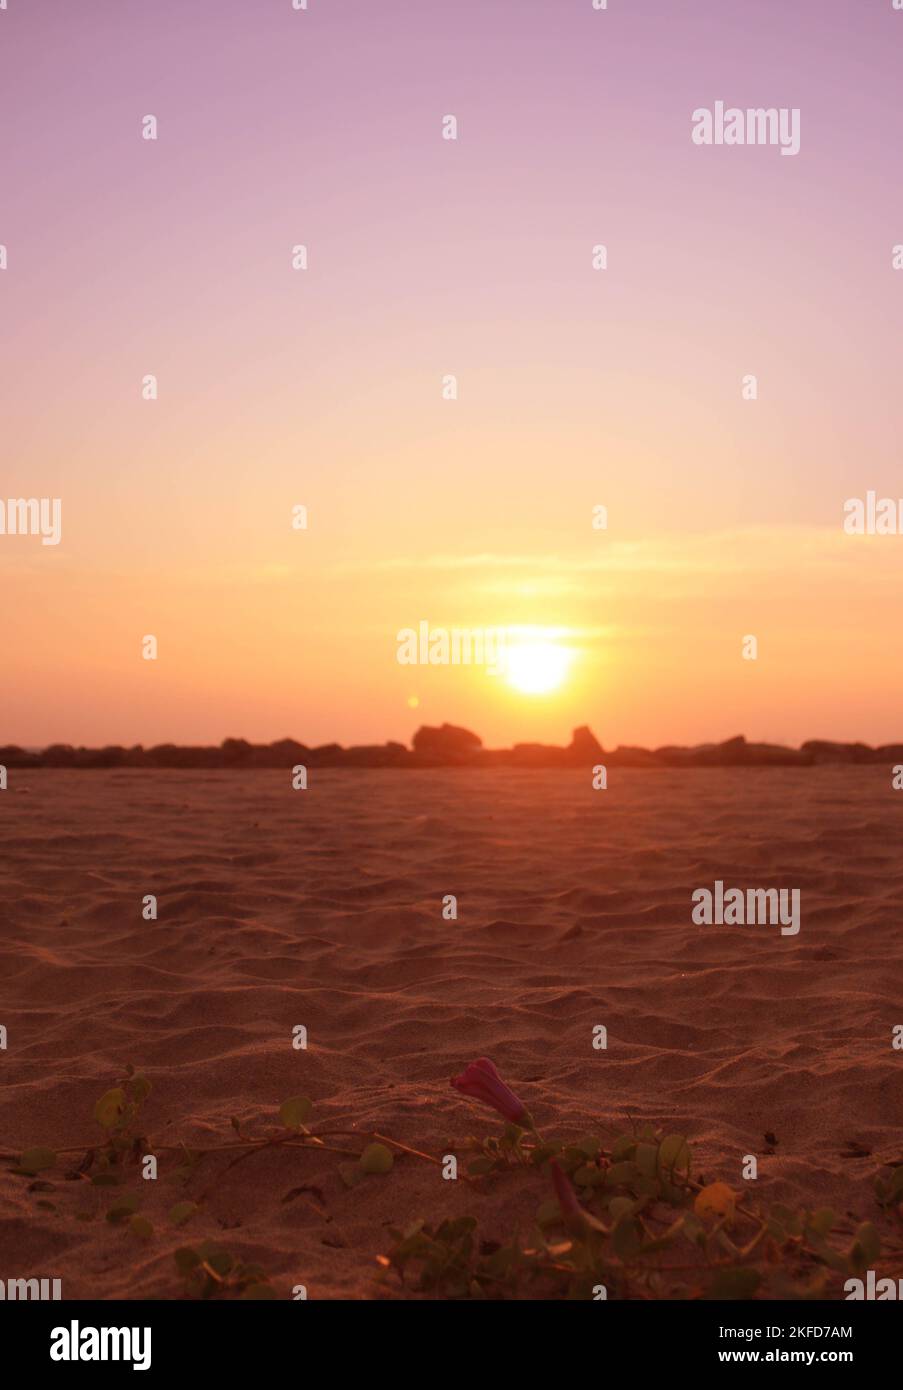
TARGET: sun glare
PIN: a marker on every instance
(535, 668)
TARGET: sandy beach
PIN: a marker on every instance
(323, 908)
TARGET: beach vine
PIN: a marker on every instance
(630, 1218)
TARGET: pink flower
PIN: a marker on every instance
(577, 1219)
(567, 1197)
(482, 1082)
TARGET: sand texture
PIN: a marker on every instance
(323, 908)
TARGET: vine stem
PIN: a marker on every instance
(300, 1140)
(383, 1139)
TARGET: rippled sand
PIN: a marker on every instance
(323, 908)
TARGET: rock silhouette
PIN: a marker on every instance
(451, 746)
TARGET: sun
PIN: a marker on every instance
(536, 667)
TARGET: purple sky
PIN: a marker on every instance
(428, 257)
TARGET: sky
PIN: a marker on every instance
(429, 258)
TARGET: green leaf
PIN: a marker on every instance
(866, 1247)
(258, 1292)
(620, 1173)
(647, 1159)
(182, 1212)
(141, 1089)
(186, 1259)
(889, 1190)
(110, 1107)
(122, 1208)
(37, 1159)
(350, 1174)
(674, 1154)
(619, 1207)
(549, 1213)
(543, 1152)
(107, 1180)
(199, 1284)
(376, 1158)
(141, 1227)
(478, 1166)
(822, 1220)
(294, 1112)
(625, 1238)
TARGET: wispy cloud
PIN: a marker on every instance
(750, 550)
